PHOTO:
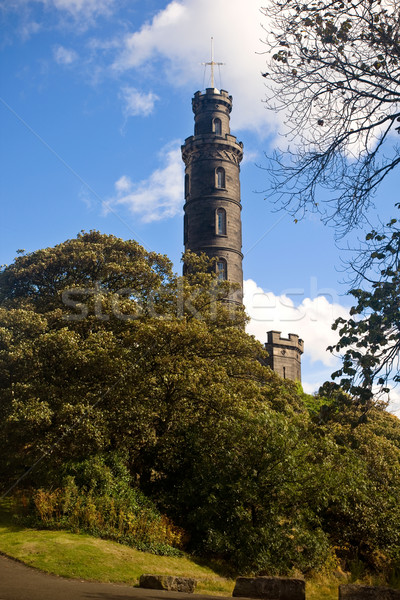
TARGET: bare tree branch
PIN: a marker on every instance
(334, 70)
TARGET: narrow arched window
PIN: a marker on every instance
(220, 177)
(221, 221)
(187, 185)
(217, 126)
(221, 269)
(185, 229)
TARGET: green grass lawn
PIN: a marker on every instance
(86, 557)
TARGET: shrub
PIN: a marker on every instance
(98, 501)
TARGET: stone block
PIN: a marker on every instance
(367, 592)
(270, 588)
(168, 582)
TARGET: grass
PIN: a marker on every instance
(81, 556)
(322, 588)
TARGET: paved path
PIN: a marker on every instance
(19, 582)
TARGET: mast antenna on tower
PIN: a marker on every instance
(212, 63)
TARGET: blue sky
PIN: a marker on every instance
(95, 103)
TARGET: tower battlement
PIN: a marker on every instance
(292, 341)
(284, 354)
(211, 92)
(211, 99)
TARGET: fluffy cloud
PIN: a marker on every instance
(394, 402)
(137, 103)
(311, 319)
(64, 56)
(180, 34)
(160, 195)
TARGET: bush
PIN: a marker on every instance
(99, 500)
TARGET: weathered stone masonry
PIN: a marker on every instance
(212, 220)
(212, 210)
(285, 354)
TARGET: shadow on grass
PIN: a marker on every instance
(219, 566)
(7, 517)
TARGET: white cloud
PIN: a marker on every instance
(67, 14)
(82, 12)
(137, 103)
(77, 8)
(178, 38)
(311, 319)
(250, 156)
(160, 195)
(123, 185)
(394, 402)
(29, 28)
(180, 35)
(312, 385)
(64, 56)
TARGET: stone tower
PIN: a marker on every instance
(212, 218)
(285, 354)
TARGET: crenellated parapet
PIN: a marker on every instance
(284, 354)
(203, 101)
(292, 341)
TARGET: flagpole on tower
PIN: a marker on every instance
(212, 63)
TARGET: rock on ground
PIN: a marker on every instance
(270, 588)
(366, 592)
(168, 582)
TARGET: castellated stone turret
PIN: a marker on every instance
(212, 218)
(285, 354)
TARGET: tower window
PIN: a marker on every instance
(217, 126)
(185, 229)
(187, 185)
(221, 269)
(220, 177)
(221, 221)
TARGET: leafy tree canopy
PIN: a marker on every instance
(141, 379)
(370, 339)
(93, 331)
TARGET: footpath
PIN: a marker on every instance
(19, 582)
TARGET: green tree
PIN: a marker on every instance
(360, 514)
(99, 341)
(370, 338)
(155, 386)
(272, 488)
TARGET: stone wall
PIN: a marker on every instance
(365, 592)
(270, 588)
